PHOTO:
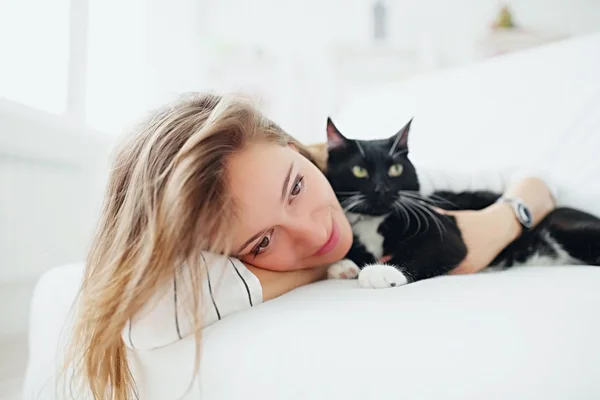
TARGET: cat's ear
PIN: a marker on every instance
(335, 139)
(399, 142)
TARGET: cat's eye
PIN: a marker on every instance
(395, 170)
(359, 172)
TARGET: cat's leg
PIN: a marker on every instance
(576, 232)
(417, 258)
(382, 276)
(348, 268)
(359, 254)
(431, 255)
(343, 269)
(391, 274)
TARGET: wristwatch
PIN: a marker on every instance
(522, 212)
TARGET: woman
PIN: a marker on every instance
(206, 176)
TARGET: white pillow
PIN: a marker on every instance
(522, 334)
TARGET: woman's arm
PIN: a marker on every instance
(487, 232)
(274, 284)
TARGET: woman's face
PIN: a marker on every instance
(289, 217)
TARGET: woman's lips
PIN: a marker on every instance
(332, 242)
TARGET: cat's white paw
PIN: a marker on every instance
(381, 276)
(344, 269)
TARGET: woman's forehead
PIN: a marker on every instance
(256, 177)
(260, 166)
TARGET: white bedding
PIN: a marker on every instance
(523, 334)
(530, 333)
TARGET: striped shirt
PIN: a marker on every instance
(229, 287)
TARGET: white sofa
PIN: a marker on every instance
(529, 333)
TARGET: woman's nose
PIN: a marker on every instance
(312, 232)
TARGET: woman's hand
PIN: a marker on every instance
(487, 232)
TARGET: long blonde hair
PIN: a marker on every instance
(166, 201)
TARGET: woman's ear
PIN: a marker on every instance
(294, 147)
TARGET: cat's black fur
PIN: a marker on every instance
(421, 242)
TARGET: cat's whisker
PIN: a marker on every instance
(352, 203)
(415, 192)
(425, 209)
(438, 222)
(412, 195)
(348, 193)
(347, 204)
(359, 206)
(440, 226)
(397, 204)
(436, 219)
(437, 199)
(428, 203)
(356, 196)
(417, 196)
(352, 207)
(344, 202)
(419, 209)
(410, 209)
(407, 218)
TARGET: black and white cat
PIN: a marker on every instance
(378, 187)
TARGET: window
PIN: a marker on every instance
(34, 53)
(115, 64)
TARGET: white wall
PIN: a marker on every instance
(276, 23)
(51, 179)
(299, 37)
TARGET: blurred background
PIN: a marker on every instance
(74, 74)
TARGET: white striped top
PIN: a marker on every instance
(229, 287)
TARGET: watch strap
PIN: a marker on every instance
(521, 210)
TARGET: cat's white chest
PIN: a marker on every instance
(365, 229)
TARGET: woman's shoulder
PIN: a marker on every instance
(225, 286)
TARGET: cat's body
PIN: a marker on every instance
(379, 188)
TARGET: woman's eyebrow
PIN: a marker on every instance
(286, 182)
(284, 192)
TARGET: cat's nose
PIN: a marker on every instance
(381, 188)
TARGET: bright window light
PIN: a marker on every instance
(34, 53)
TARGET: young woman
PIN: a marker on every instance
(211, 208)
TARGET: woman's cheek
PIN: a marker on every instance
(276, 261)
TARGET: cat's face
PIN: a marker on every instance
(369, 175)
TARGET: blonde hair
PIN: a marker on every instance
(166, 201)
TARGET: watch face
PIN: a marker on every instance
(524, 215)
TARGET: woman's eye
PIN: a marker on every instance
(262, 245)
(264, 242)
(297, 187)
